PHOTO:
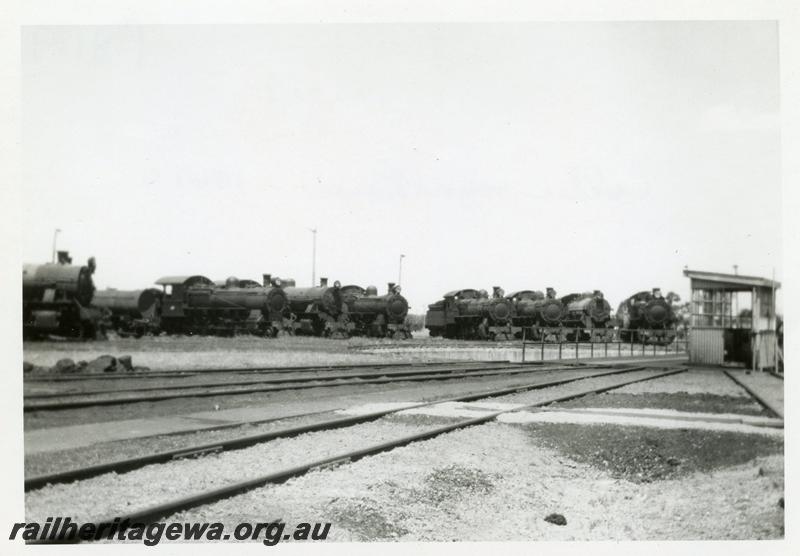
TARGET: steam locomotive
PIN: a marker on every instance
(316, 311)
(471, 314)
(195, 305)
(60, 299)
(381, 316)
(647, 317)
(56, 299)
(538, 315)
(588, 317)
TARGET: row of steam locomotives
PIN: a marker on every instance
(645, 317)
(60, 299)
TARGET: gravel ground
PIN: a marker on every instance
(288, 401)
(179, 352)
(694, 381)
(491, 482)
(52, 461)
(498, 482)
(643, 455)
(768, 387)
(696, 390)
(112, 493)
(695, 403)
(536, 396)
(652, 418)
(94, 391)
(181, 380)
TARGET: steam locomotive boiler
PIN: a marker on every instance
(234, 282)
(381, 316)
(131, 312)
(317, 311)
(195, 305)
(56, 299)
(588, 314)
(471, 314)
(648, 318)
(538, 315)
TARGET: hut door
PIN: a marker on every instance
(738, 348)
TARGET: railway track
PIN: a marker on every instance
(129, 464)
(161, 510)
(182, 373)
(300, 379)
(271, 385)
(775, 374)
(771, 409)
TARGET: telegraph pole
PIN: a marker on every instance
(313, 258)
(400, 270)
(55, 235)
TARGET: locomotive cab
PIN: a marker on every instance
(175, 291)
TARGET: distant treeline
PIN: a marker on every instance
(415, 322)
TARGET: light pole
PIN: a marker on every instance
(400, 270)
(736, 299)
(313, 257)
(55, 235)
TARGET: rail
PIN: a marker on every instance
(637, 345)
(161, 510)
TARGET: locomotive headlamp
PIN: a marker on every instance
(337, 284)
(277, 282)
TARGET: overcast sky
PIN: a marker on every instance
(578, 155)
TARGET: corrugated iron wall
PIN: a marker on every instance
(706, 346)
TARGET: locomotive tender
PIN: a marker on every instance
(380, 316)
(471, 314)
(56, 299)
(647, 317)
(131, 312)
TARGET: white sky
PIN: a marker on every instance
(526, 155)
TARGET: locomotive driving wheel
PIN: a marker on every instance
(87, 331)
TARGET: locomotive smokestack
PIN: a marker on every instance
(266, 280)
(323, 282)
(64, 258)
(391, 287)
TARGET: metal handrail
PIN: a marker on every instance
(678, 343)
